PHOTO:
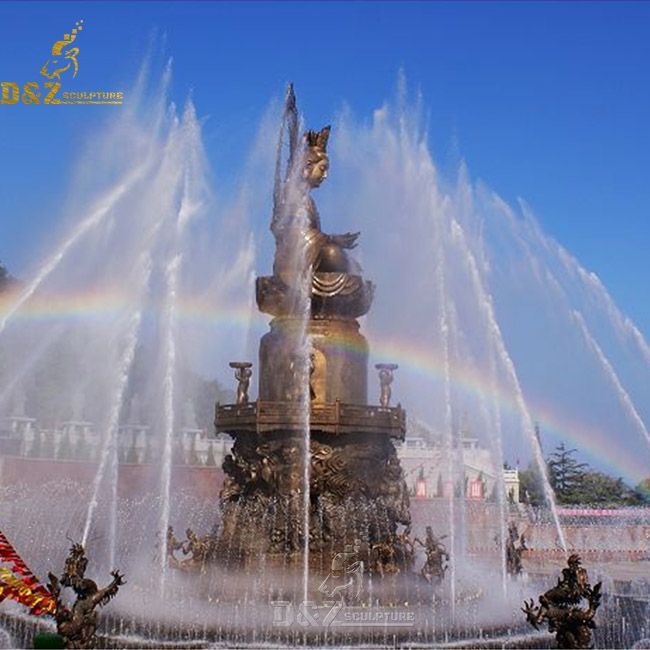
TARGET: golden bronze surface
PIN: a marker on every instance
(333, 418)
(313, 376)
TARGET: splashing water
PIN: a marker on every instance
(504, 358)
(108, 452)
(448, 427)
(290, 190)
(92, 221)
(613, 377)
(385, 183)
(447, 260)
(170, 345)
(189, 207)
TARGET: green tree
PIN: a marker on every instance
(576, 483)
(56, 375)
(132, 454)
(531, 486)
(566, 474)
(205, 394)
(202, 393)
(597, 488)
(5, 277)
(642, 490)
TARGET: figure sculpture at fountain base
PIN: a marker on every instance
(515, 546)
(437, 557)
(78, 624)
(560, 607)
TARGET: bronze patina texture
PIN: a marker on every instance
(312, 374)
(562, 607)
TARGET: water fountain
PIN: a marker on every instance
(351, 462)
(315, 540)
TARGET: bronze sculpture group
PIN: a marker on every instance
(397, 553)
(312, 372)
(351, 456)
(308, 377)
(197, 550)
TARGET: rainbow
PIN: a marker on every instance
(107, 303)
(474, 381)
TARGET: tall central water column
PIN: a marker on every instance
(311, 456)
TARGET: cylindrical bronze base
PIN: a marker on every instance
(340, 360)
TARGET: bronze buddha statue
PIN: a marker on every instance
(300, 242)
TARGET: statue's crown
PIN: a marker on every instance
(318, 139)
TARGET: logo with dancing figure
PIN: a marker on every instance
(64, 56)
(61, 66)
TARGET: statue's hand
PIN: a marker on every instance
(531, 612)
(53, 586)
(118, 577)
(347, 240)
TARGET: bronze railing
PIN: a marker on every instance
(334, 417)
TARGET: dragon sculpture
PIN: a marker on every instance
(78, 624)
(560, 607)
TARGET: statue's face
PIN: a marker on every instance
(316, 167)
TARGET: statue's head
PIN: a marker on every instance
(316, 159)
(574, 561)
(85, 588)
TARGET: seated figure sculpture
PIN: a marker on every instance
(308, 262)
(301, 244)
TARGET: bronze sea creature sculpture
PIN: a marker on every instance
(561, 607)
(77, 624)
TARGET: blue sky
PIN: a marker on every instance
(545, 101)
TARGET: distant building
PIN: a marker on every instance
(425, 464)
(13, 431)
(21, 436)
(426, 469)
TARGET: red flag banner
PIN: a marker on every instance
(18, 583)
